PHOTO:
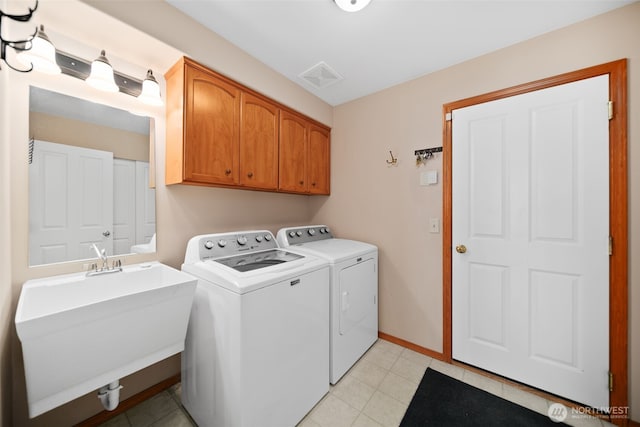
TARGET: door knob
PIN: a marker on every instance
(461, 249)
(106, 233)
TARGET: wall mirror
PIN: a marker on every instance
(89, 179)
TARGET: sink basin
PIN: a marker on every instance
(79, 333)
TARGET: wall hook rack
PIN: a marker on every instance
(425, 154)
(393, 160)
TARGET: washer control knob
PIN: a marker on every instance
(298, 233)
(267, 237)
(258, 238)
(323, 230)
(208, 244)
(311, 232)
(326, 230)
(242, 240)
(292, 234)
(222, 243)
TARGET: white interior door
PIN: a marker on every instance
(70, 202)
(145, 205)
(530, 296)
(124, 205)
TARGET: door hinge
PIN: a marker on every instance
(448, 117)
(610, 381)
(610, 245)
(610, 109)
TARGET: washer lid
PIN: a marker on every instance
(255, 260)
(241, 282)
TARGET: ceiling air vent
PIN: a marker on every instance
(321, 75)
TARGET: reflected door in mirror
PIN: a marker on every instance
(70, 197)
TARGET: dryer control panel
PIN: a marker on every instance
(298, 235)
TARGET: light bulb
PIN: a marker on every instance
(41, 55)
(150, 94)
(101, 76)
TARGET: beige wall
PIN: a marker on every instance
(408, 117)
(402, 119)
(123, 144)
(5, 258)
(182, 211)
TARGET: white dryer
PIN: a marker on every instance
(354, 291)
(257, 346)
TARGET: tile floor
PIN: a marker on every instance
(375, 392)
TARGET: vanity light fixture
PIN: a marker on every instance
(38, 53)
(17, 45)
(101, 76)
(352, 5)
(42, 55)
(150, 94)
(82, 69)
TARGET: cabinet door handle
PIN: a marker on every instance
(227, 172)
(313, 184)
(250, 174)
(301, 182)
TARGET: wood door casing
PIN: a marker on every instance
(211, 128)
(259, 133)
(618, 213)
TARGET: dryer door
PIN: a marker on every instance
(358, 294)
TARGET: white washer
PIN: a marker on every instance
(354, 291)
(257, 346)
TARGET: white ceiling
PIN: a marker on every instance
(389, 42)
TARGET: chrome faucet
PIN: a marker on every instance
(102, 254)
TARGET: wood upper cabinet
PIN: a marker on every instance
(318, 162)
(304, 155)
(259, 131)
(221, 133)
(293, 153)
(203, 134)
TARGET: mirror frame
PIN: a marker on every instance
(17, 85)
(82, 111)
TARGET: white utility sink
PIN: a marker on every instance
(79, 333)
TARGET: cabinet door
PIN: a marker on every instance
(258, 143)
(319, 152)
(293, 153)
(211, 140)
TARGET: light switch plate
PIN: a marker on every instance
(434, 225)
(429, 178)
